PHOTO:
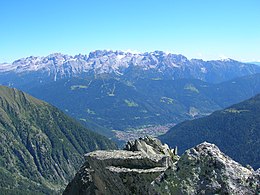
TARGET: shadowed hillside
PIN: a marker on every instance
(236, 130)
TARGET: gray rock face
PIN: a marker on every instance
(149, 146)
(123, 171)
(155, 64)
(204, 169)
(148, 167)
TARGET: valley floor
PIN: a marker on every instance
(135, 133)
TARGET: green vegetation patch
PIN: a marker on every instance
(130, 103)
(191, 88)
(74, 87)
(235, 129)
(166, 100)
(35, 136)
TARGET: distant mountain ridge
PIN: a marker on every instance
(41, 147)
(118, 64)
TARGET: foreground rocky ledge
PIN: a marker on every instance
(148, 167)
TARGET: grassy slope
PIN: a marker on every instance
(41, 147)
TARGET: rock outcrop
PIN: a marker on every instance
(146, 166)
(150, 146)
(204, 169)
(128, 171)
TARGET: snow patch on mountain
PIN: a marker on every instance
(119, 63)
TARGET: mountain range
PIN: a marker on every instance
(126, 65)
(235, 129)
(120, 94)
(41, 147)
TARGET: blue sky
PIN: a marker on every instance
(207, 29)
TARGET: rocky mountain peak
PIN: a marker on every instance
(98, 53)
(144, 167)
(157, 64)
(150, 146)
(58, 57)
(204, 169)
(128, 171)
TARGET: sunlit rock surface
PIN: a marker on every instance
(148, 167)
